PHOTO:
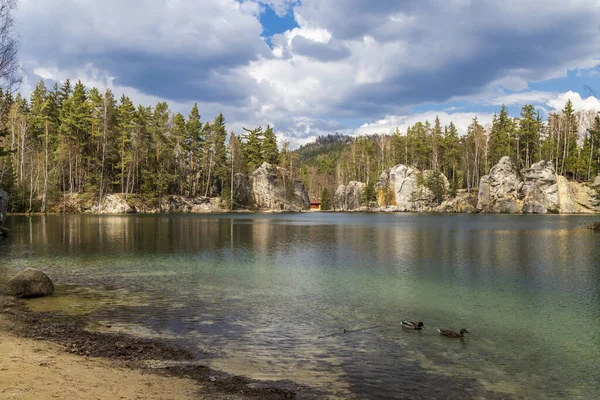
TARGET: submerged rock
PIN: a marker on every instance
(30, 283)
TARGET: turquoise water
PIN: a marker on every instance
(268, 296)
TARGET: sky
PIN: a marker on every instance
(313, 67)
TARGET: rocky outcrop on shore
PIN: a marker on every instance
(273, 189)
(134, 204)
(349, 197)
(403, 188)
(535, 190)
(270, 188)
(267, 189)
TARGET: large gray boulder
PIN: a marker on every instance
(30, 283)
(540, 189)
(403, 188)
(396, 186)
(463, 202)
(348, 197)
(500, 191)
(242, 192)
(584, 196)
(596, 183)
(273, 190)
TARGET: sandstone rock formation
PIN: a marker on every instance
(396, 186)
(463, 202)
(537, 190)
(30, 283)
(499, 192)
(270, 188)
(348, 197)
(540, 189)
(403, 188)
(113, 204)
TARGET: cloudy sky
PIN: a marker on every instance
(310, 67)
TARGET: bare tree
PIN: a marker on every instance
(10, 69)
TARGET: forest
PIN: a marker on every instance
(71, 139)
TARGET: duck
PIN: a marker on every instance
(453, 334)
(413, 325)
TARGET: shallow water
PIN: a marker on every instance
(268, 295)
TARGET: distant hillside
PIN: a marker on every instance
(330, 145)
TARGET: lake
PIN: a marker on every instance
(269, 295)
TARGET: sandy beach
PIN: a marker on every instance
(45, 356)
(33, 369)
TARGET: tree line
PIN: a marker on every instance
(70, 139)
(569, 139)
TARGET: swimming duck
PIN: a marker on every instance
(453, 334)
(413, 325)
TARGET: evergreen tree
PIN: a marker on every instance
(126, 125)
(499, 139)
(528, 134)
(194, 146)
(222, 168)
(325, 200)
(434, 181)
(270, 151)
(253, 148)
(569, 140)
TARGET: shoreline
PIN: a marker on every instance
(374, 211)
(57, 346)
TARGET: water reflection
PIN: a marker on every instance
(257, 291)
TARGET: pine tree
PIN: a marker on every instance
(528, 134)
(222, 168)
(569, 140)
(325, 200)
(253, 148)
(270, 150)
(193, 145)
(436, 144)
(126, 125)
(500, 134)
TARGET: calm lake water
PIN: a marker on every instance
(263, 294)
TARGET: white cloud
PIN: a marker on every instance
(579, 103)
(347, 59)
(388, 125)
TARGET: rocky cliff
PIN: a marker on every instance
(132, 204)
(403, 188)
(268, 188)
(536, 190)
(348, 197)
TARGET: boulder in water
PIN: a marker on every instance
(30, 283)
